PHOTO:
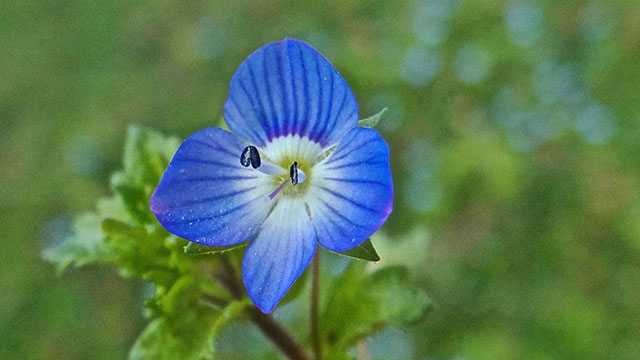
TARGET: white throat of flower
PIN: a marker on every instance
(289, 152)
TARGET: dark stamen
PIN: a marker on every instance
(293, 173)
(250, 156)
(245, 157)
(255, 157)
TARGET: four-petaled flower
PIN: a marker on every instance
(294, 171)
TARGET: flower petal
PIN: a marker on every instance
(288, 88)
(351, 194)
(207, 196)
(278, 255)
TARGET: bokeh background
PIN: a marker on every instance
(513, 127)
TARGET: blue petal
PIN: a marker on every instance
(288, 88)
(207, 196)
(278, 255)
(351, 194)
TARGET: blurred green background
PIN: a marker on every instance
(514, 133)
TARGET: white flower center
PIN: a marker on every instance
(284, 159)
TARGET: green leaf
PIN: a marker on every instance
(231, 312)
(159, 342)
(364, 251)
(182, 305)
(115, 227)
(186, 327)
(372, 121)
(360, 304)
(83, 247)
(136, 202)
(197, 249)
(146, 156)
(113, 208)
(400, 301)
(145, 252)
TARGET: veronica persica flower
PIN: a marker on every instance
(293, 172)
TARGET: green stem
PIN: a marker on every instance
(315, 299)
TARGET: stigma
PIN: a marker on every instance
(296, 176)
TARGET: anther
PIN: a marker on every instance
(293, 173)
(250, 156)
(245, 157)
(255, 157)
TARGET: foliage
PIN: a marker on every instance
(372, 120)
(359, 306)
(364, 251)
(185, 322)
(123, 232)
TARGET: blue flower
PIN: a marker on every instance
(294, 171)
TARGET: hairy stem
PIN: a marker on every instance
(315, 299)
(270, 328)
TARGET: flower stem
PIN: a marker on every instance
(315, 299)
(270, 328)
(278, 335)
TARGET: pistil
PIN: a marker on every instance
(277, 190)
(296, 176)
(251, 157)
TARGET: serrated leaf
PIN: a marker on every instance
(364, 251)
(113, 208)
(186, 327)
(348, 311)
(136, 202)
(372, 121)
(159, 342)
(197, 249)
(84, 246)
(182, 303)
(115, 227)
(146, 156)
(233, 311)
(360, 304)
(138, 252)
(401, 301)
